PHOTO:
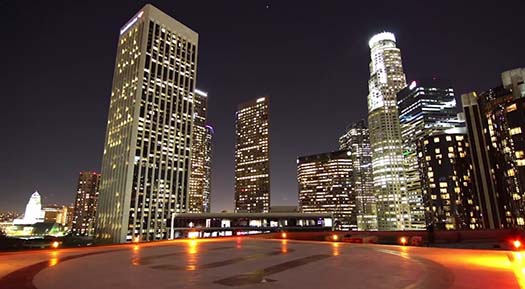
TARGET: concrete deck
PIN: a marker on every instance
(253, 263)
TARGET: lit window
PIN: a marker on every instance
(519, 154)
(514, 131)
(436, 140)
(511, 107)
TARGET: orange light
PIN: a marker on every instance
(283, 235)
(403, 241)
(335, 249)
(517, 244)
(136, 239)
(335, 237)
(55, 244)
(192, 247)
(284, 247)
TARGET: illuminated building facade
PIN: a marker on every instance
(252, 157)
(33, 213)
(356, 140)
(496, 122)
(506, 130)
(447, 181)
(386, 80)
(199, 190)
(325, 186)
(147, 151)
(424, 107)
(206, 196)
(86, 202)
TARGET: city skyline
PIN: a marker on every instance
(284, 190)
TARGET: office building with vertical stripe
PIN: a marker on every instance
(252, 157)
(147, 150)
(496, 124)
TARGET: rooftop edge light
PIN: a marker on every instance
(130, 23)
(200, 92)
(381, 36)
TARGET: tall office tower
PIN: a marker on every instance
(147, 152)
(386, 80)
(424, 107)
(206, 196)
(325, 186)
(252, 157)
(447, 181)
(199, 189)
(357, 141)
(86, 202)
(495, 122)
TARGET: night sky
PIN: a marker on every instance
(310, 57)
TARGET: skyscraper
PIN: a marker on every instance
(496, 121)
(86, 201)
(252, 157)
(147, 151)
(325, 186)
(206, 196)
(356, 140)
(386, 80)
(447, 181)
(199, 190)
(425, 107)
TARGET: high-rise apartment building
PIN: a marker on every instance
(325, 186)
(252, 157)
(147, 151)
(424, 107)
(86, 202)
(356, 140)
(495, 121)
(386, 80)
(447, 181)
(199, 190)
